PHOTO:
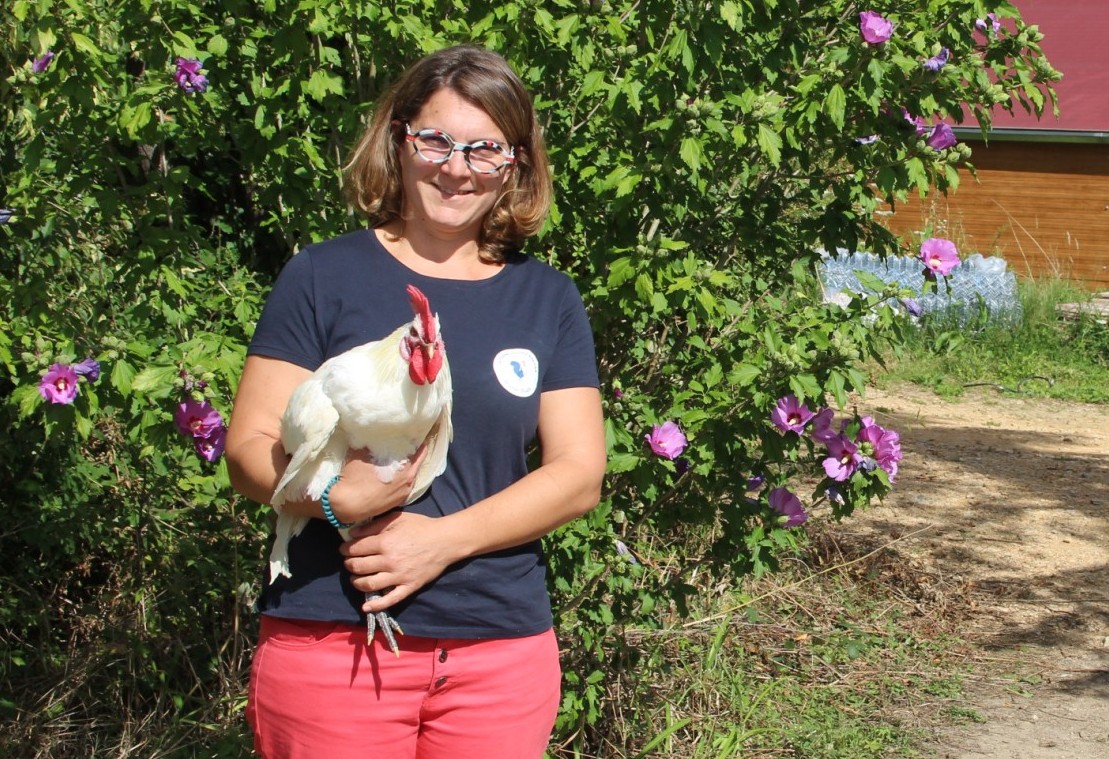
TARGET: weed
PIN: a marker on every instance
(964, 715)
(821, 660)
(1045, 355)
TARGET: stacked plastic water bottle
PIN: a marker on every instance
(975, 280)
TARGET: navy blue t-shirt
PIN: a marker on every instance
(508, 338)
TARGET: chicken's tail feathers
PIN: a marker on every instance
(288, 527)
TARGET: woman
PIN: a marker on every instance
(453, 175)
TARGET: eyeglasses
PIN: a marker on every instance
(436, 146)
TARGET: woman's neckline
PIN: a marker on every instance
(496, 270)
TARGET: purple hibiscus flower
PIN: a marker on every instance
(938, 61)
(666, 440)
(843, 458)
(188, 76)
(912, 307)
(6, 215)
(89, 369)
(918, 123)
(42, 63)
(939, 255)
(821, 430)
(941, 137)
(623, 550)
(59, 384)
(790, 415)
(211, 448)
(881, 445)
(874, 27)
(789, 506)
(988, 24)
(197, 419)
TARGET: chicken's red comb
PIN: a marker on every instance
(422, 308)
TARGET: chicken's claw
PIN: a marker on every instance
(387, 624)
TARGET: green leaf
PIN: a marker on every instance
(805, 386)
(592, 83)
(134, 119)
(154, 380)
(836, 387)
(620, 271)
(83, 425)
(122, 376)
(174, 283)
(566, 26)
(713, 376)
(628, 183)
(952, 175)
(771, 143)
(692, 153)
(870, 281)
(631, 91)
(45, 39)
(835, 105)
(184, 45)
(622, 462)
(744, 375)
(323, 83)
(244, 311)
(217, 45)
(917, 174)
(28, 398)
(84, 44)
(732, 14)
(857, 379)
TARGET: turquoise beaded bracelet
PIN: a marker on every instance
(325, 501)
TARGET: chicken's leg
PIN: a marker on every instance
(387, 624)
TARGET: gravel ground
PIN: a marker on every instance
(1007, 496)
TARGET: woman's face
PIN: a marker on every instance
(450, 200)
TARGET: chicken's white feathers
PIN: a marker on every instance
(363, 398)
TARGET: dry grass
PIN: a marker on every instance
(850, 651)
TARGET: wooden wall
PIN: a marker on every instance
(1044, 207)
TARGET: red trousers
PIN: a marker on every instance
(317, 691)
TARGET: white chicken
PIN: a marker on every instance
(388, 396)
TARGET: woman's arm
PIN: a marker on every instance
(566, 485)
(256, 459)
(406, 551)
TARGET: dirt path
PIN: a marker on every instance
(1010, 497)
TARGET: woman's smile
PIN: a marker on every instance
(450, 199)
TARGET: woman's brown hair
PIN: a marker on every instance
(373, 181)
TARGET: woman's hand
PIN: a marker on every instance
(360, 494)
(396, 555)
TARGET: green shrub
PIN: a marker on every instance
(702, 153)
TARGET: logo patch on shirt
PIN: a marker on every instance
(517, 370)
